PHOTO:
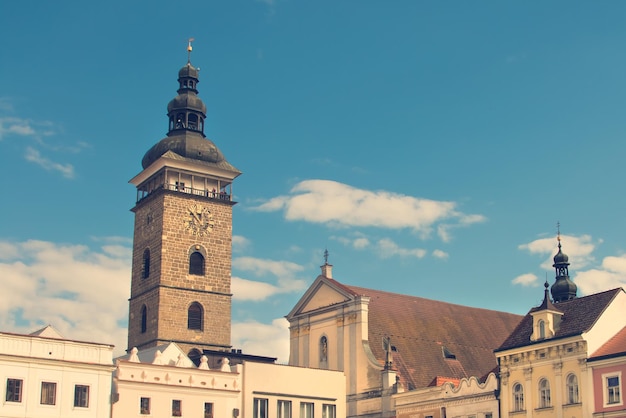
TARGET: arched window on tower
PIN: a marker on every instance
(193, 122)
(542, 329)
(144, 319)
(180, 121)
(572, 389)
(544, 394)
(518, 397)
(145, 273)
(196, 263)
(195, 313)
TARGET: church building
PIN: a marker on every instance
(387, 343)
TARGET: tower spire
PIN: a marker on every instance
(563, 288)
(189, 49)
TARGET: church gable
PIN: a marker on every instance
(323, 292)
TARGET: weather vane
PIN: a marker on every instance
(189, 49)
(326, 256)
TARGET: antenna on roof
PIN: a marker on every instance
(326, 256)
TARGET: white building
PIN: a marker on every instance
(45, 375)
(274, 390)
(163, 382)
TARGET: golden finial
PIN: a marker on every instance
(558, 231)
(189, 49)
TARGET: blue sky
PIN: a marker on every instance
(430, 146)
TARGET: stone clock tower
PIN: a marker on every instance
(180, 289)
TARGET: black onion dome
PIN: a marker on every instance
(563, 289)
(188, 71)
(186, 101)
(560, 257)
(187, 144)
(185, 137)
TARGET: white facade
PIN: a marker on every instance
(163, 382)
(44, 375)
(274, 390)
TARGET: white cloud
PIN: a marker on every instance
(244, 289)
(271, 340)
(358, 243)
(32, 155)
(526, 280)
(340, 205)
(611, 274)
(578, 249)
(15, 126)
(388, 248)
(361, 243)
(440, 254)
(283, 271)
(81, 292)
(240, 243)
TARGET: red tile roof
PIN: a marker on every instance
(614, 347)
(423, 330)
(579, 315)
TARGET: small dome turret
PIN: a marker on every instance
(186, 113)
(563, 288)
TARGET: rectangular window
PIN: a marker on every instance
(208, 410)
(48, 393)
(284, 409)
(260, 408)
(14, 390)
(306, 410)
(177, 410)
(329, 411)
(144, 406)
(488, 415)
(613, 390)
(81, 396)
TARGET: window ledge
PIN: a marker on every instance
(544, 408)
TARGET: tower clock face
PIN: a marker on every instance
(199, 220)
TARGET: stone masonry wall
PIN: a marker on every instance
(169, 289)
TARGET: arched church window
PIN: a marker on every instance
(195, 313)
(518, 397)
(196, 263)
(144, 319)
(572, 389)
(146, 264)
(544, 394)
(542, 329)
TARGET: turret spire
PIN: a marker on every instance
(189, 49)
(563, 288)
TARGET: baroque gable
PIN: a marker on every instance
(323, 293)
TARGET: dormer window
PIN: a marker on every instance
(542, 329)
